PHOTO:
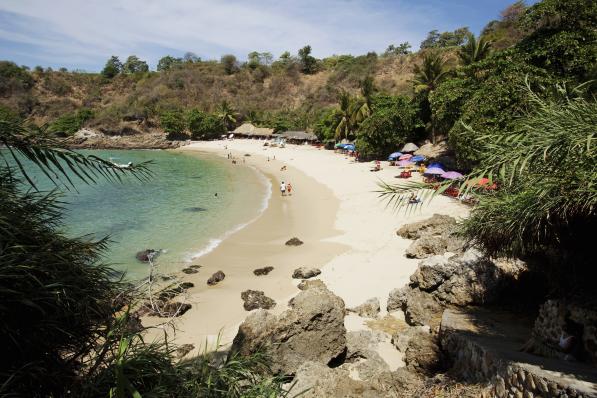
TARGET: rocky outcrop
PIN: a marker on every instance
(305, 273)
(216, 278)
(422, 353)
(420, 308)
(124, 136)
(312, 329)
(437, 225)
(311, 284)
(362, 359)
(294, 242)
(263, 271)
(254, 299)
(315, 380)
(146, 255)
(436, 235)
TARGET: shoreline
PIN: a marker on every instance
(348, 233)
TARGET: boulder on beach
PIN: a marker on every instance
(438, 224)
(311, 284)
(190, 270)
(423, 353)
(294, 242)
(305, 273)
(146, 255)
(263, 271)
(312, 329)
(255, 299)
(216, 278)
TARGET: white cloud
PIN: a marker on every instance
(73, 30)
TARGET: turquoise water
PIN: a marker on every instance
(176, 211)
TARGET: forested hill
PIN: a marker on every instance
(291, 90)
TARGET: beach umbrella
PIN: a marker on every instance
(394, 155)
(405, 163)
(452, 175)
(410, 147)
(437, 164)
(418, 158)
(349, 147)
(433, 171)
(405, 157)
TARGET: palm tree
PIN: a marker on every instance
(427, 77)
(227, 115)
(364, 109)
(474, 50)
(431, 73)
(347, 121)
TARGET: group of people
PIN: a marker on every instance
(286, 188)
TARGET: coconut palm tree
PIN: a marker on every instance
(474, 50)
(348, 110)
(227, 115)
(363, 111)
(430, 73)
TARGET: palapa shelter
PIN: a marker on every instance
(250, 131)
(410, 147)
(298, 137)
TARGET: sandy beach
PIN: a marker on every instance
(348, 232)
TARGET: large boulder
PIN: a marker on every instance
(423, 353)
(438, 224)
(420, 308)
(362, 358)
(369, 309)
(315, 380)
(254, 299)
(427, 246)
(305, 273)
(312, 329)
(432, 272)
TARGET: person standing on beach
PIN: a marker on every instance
(289, 188)
(283, 188)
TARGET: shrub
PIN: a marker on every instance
(204, 126)
(69, 124)
(174, 124)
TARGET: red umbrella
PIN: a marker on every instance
(405, 157)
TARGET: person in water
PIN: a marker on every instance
(283, 188)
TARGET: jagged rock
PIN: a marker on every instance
(438, 224)
(190, 270)
(402, 338)
(427, 246)
(294, 242)
(420, 308)
(216, 278)
(361, 355)
(314, 380)
(311, 284)
(184, 349)
(397, 299)
(312, 329)
(256, 299)
(423, 353)
(432, 272)
(305, 273)
(263, 271)
(369, 309)
(145, 255)
(172, 292)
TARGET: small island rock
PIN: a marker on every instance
(294, 242)
(145, 255)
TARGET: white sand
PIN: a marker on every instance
(372, 262)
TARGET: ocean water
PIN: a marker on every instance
(177, 211)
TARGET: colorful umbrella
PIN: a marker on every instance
(434, 171)
(452, 175)
(394, 155)
(418, 158)
(405, 157)
(438, 165)
(405, 163)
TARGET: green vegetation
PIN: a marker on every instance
(67, 319)
(69, 124)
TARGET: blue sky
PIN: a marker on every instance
(82, 34)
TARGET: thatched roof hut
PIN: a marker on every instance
(248, 130)
(410, 147)
(298, 136)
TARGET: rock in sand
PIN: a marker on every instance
(294, 242)
(216, 278)
(256, 299)
(263, 271)
(305, 273)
